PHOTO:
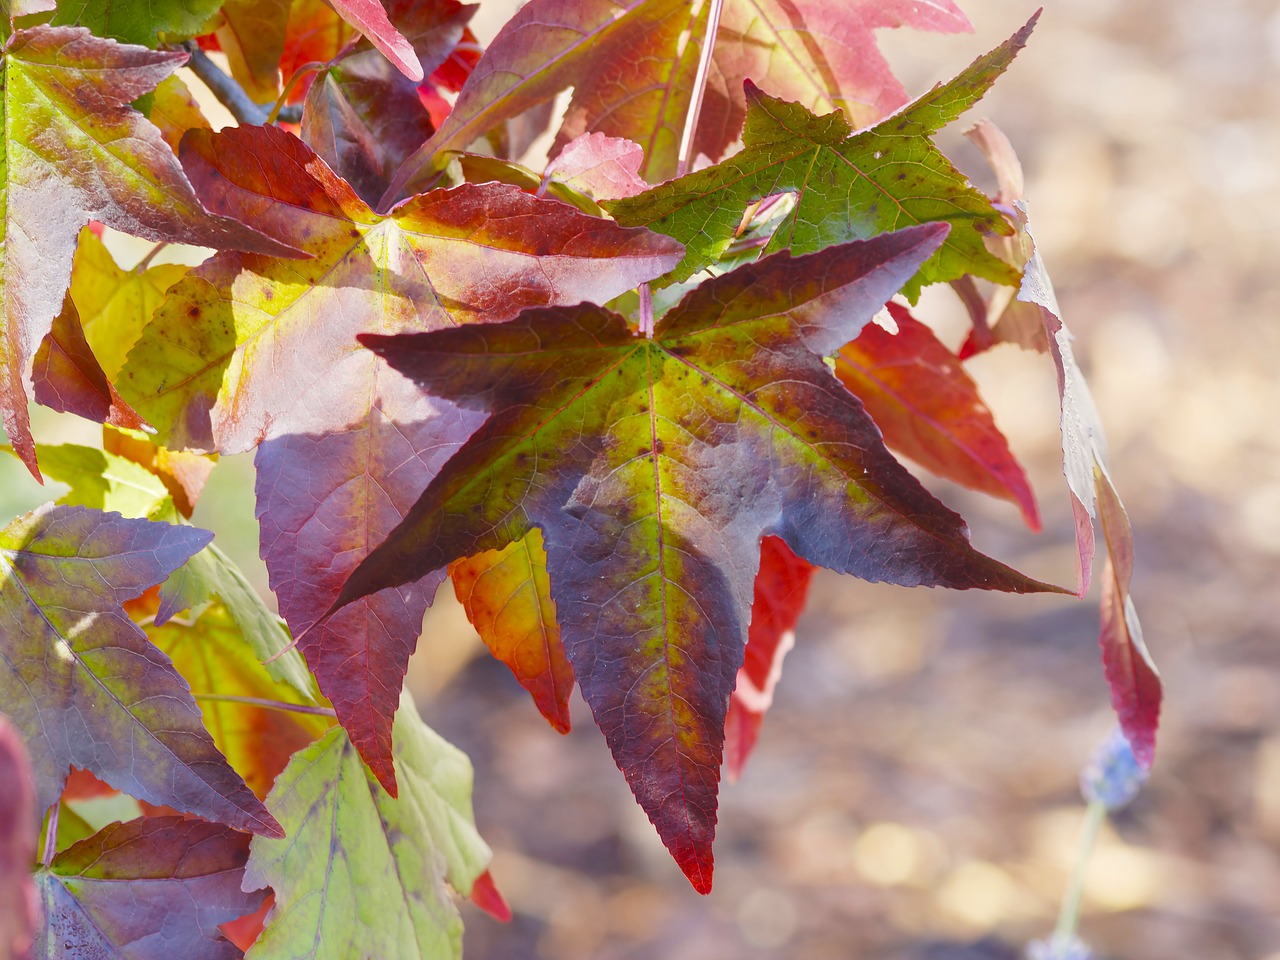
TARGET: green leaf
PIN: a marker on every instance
(138, 22)
(847, 185)
(155, 888)
(362, 874)
(653, 467)
(82, 682)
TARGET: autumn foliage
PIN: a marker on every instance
(626, 399)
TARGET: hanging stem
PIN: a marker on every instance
(145, 262)
(1069, 916)
(699, 88)
(51, 834)
(310, 67)
(268, 704)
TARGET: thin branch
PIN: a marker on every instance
(268, 704)
(229, 93)
(699, 88)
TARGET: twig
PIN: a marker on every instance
(268, 704)
(699, 88)
(229, 93)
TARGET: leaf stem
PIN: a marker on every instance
(51, 835)
(646, 311)
(1069, 916)
(145, 262)
(268, 704)
(229, 93)
(699, 88)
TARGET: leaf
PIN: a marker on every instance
(632, 65)
(215, 660)
(782, 584)
(66, 98)
(362, 116)
(115, 304)
(183, 474)
(604, 168)
(370, 18)
(149, 889)
(141, 23)
(847, 185)
(315, 34)
(653, 468)
(81, 681)
(1136, 690)
(248, 349)
(507, 597)
(174, 111)
(252, 36)
(386, 862)
(66, 376)
(929, 409)
(18, 905)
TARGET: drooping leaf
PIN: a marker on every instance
(18, 904)
(115, 304)
(141, 23)
(369, 17)
(155, 888)
(252, 36)
(847, 185)
(782, 584)
(386, 861)
(67, 377)
(653, 467)
(249, 349)
(507, 597)
(66, 107)
(929, 409)
(362, 116)
(1136, 690)
(85, 686)
(604, 168)
(632, 65)
(215, 660)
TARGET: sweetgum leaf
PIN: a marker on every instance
(138, 22)
(155, 888)
(183, 474)
(66, 108)
(929, 409)
(362, 874)
(315, 34)
(115, 304)
(1136, 690)
(369, 17)
(252, 36)
(85, 686)
(507, 596)
(214, 658)
(847, 185)
(632, 65)
(653, 467)
(18, 904)
(174, 111)
(67, 377)
(782, 584)
(249, 349)
(362, 116)
(604, 168)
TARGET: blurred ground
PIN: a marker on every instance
(913, 795)
(914, 792)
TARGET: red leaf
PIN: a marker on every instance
(68, 378)
(781, 588)
(370, 18)
(653, 466)
(19, 912)
(150, 889)
(929, 409)
(486, 895)
(457, 67)
(606, 168)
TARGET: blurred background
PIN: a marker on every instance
(914, 792)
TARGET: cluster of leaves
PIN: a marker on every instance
(626, 405)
